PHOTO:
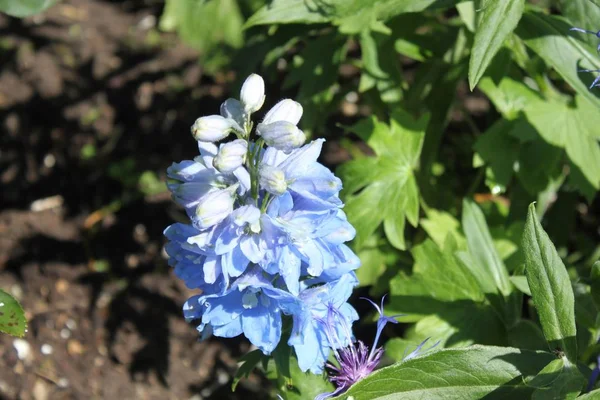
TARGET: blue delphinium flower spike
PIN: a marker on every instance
(266, 238)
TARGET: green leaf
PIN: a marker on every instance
(499, 150)
(548, 37)
(567, 382)
(550, 287)
(469, 373)
(520, 282)
(491, 272)
(318, 11)
(572, 128)
(24, 8)
(303, 385)
(593, 395)
(497, 21)
(12, 316)
(389, 192)
(526, 335)
(445, 299)
(439, 224)
(221, 29)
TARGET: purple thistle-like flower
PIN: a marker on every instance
(596, 81)
(594, 376)
(355, 361)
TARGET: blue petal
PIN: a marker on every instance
(262, 326)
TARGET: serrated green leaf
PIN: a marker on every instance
(445, 299)
(439, 224)
(389, 192)
(469, 373)
(550, 287)
(497, 21)
(25, 8)
(12, 316)
(548, 37)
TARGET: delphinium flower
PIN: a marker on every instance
(267, 233)
(596, 81)
(355, 360)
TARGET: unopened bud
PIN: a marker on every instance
(214, 207)
(281, 135)
(231, 155)
(252, 94)
(212, 128)
(272, 179)
(286, 110)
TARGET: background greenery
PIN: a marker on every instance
(451, 118)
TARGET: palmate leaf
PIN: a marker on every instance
(384, 189)
(474, 372)
(550, 288)
(445, 298)
(25, 8)
(497, 21)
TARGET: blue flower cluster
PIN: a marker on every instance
(266, 240)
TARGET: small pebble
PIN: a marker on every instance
(65, 333)
(46, 349)
(23, 348)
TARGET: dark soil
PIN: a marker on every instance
(91, 96)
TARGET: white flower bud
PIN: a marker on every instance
(281, 135)
(231, 155)
(272, 179)
(214, 207)
(212, 128)
(286, 110)
(252, 94)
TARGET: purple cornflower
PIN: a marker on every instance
(594, 376)
(597, 34)
(355, 361)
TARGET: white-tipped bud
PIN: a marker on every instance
(272, 179)
(214, 207)
(286, 110)
(212, 128)
(231, 155)
(252, 94)
(282, 135)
